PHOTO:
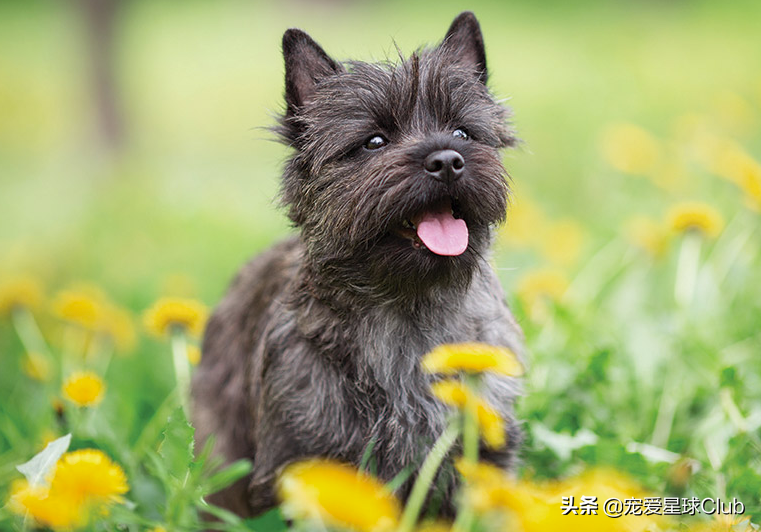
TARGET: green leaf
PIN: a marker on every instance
(227, 476)
(36, 469)
(223, 515)
(367, 455)
(177, 446)
(271, 521)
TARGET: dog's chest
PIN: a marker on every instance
(400, 411)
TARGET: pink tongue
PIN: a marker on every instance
(442, 233)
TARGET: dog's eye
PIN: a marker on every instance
(460, 133)
(375, 142)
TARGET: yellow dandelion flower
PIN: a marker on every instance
(82, 306)
(492, 426)
(695, 216)
(538, 287)
(434, 526)
(526, 224)
(170, 313)
(486, 484)
(630, 149)
(89, 476)
(194, 355)
(158, 529)
(451, 392)
(490, 423)
(117, 324)
(735, 113)
(726, 158)
(338, 495)
(48, 509)
(751, 186)
(474, 357)
(562, 242)
(535, 507)
(606, 484)
(529, 507)
(36, 366)
(84, 388)
(648, 235)
(22, 291)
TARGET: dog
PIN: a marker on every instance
(395, 186)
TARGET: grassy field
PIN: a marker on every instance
(631, 255)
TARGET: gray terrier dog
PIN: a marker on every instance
(395, 185)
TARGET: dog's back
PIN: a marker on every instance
(222, 385)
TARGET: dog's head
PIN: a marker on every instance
(397, 178)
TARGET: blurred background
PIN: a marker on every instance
(133, 140)
(135, 155)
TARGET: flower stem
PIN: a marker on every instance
(666, 411)
(470, 421)
(181, 367)
(28, 331)
(30, 336)
(152, 429)
(465, 516)
(464, 520)
(425, 477)
(732, 410)
(687, 269)
(72, 352)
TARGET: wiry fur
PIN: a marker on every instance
(315, 350)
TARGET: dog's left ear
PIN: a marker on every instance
(465, 42)
(306, 64)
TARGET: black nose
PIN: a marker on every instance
(444, 165)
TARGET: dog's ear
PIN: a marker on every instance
(306, 63)
(465, 42)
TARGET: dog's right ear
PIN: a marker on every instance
(465, 40)
(306, 64)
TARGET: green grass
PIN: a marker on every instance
(193, 192)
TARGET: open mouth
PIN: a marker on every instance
(437, 229)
